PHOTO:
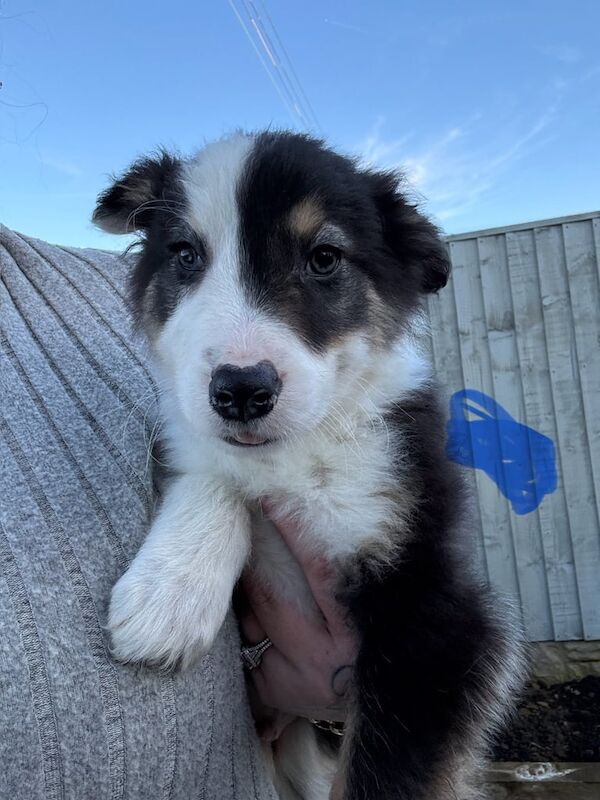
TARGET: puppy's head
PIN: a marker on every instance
(278, 283)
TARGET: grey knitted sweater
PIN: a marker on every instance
(77, 410)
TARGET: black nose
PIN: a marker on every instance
(244, 393)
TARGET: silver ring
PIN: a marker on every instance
(252, 656)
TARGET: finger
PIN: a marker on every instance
(289, 628)
(320, 574)
(280, 684)
(251, 629)
(266, 679)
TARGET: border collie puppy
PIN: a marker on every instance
(279, 286)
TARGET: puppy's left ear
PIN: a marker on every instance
(413, 239)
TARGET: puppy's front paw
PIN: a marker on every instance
(165, 619)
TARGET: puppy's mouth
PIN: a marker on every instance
(247, 440)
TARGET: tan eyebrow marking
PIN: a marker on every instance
(306, 218)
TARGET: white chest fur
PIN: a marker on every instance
(342, 491)
(341, 483)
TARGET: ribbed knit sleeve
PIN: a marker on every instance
(77, 416)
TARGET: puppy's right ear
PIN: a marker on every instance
(129, 204)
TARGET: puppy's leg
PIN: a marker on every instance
(170, 604)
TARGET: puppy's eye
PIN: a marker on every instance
(323, 261)
(187, 256)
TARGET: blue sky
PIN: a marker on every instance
(492, 108)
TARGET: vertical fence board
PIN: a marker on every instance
(596, 228)
(570, 422)
(584, 290)
(508, 391)
(539, 415)
(472, 336)
(448, 366)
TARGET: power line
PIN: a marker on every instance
(275, 60)
(291, 67)
(293, 91)
(259, 54)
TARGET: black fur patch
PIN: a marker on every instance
(159, 265)
(426, 676)
(149, 199)
(131, 202)
(393, 249)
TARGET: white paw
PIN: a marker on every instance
(162, 617)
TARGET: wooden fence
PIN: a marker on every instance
(516, 341)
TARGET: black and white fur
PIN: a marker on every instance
(353, 449)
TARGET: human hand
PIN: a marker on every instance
(308, 669)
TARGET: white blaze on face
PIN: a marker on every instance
(216, 323)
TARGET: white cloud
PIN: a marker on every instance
(375, 149)
(462, 164)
